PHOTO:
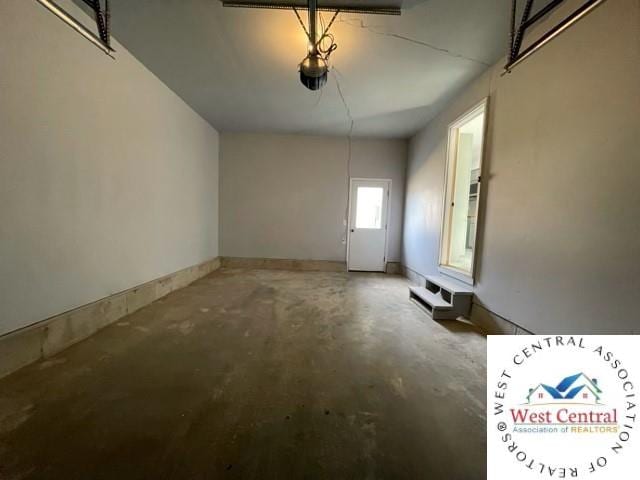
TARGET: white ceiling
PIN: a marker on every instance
(238, 67)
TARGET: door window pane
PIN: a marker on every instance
(369, 207)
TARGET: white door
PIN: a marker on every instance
(368, 217)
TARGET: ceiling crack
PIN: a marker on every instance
(344, 102)
(359, 23)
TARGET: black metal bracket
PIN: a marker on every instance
(102, 18)
(358, 6)
(516, 54)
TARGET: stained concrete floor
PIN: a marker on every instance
(261, 375)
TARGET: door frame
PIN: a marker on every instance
(387, 218)
(463, 276)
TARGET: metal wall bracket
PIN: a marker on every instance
(101, 15)
(516, 53)
(372, 7)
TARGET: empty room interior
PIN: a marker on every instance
(268, 239)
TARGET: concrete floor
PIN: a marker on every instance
(257, 374)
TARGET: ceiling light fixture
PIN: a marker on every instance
(314, 68)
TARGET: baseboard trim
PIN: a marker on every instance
(413, 276)
(489, 322)
(394, 268)
(492, 323)
(284, 264)
(52, 335)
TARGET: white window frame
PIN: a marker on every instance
(445, 231)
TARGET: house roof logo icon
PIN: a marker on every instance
(577, 388)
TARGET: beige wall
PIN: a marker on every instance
(285, 196)
(107, 179)
(560, 247)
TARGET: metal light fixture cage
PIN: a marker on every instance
(314, 68)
